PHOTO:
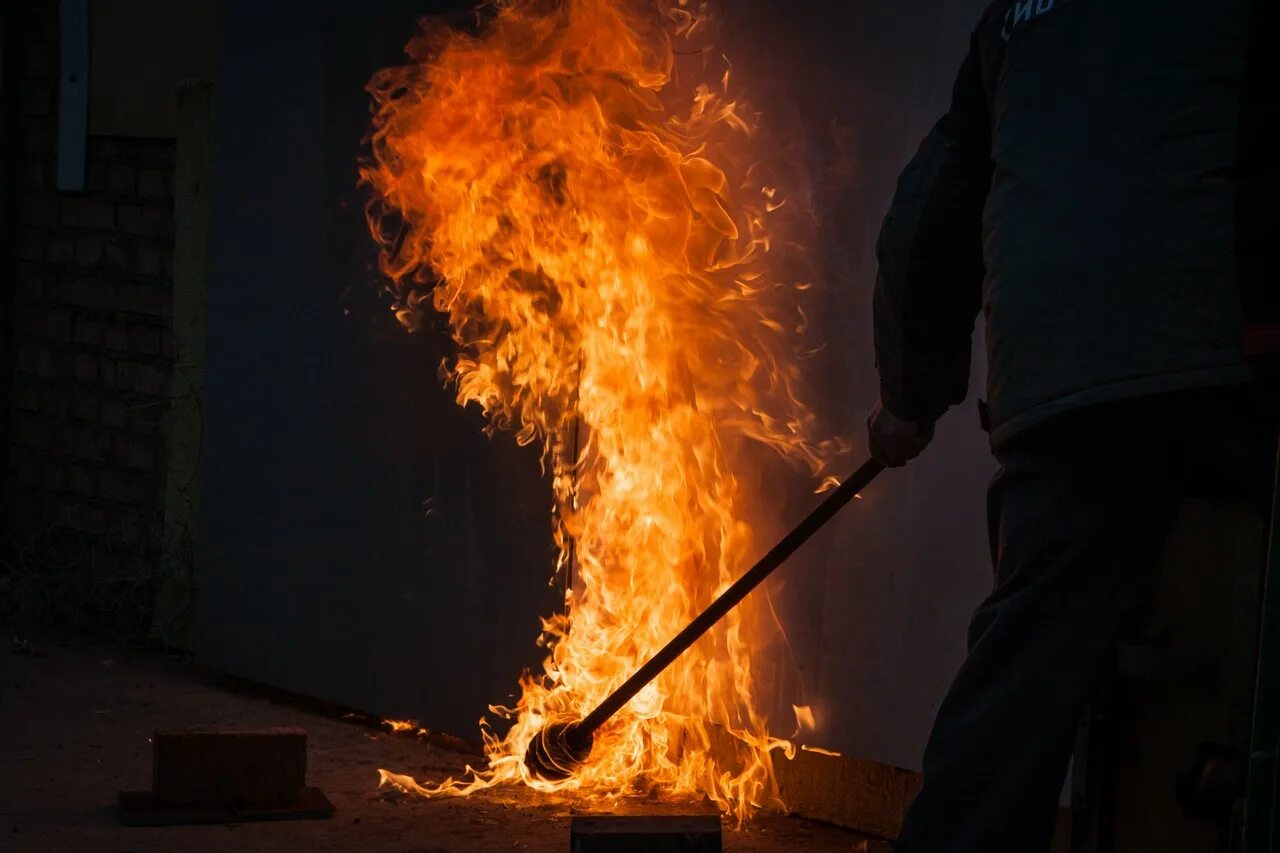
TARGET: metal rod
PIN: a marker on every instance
(844, 493)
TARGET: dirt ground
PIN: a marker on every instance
(75, 724)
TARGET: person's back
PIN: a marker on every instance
(1111, 224)
(1129, 205)
(1103, 192)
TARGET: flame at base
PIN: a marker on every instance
(604, 279)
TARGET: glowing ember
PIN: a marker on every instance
(399, 727)
(604, 281)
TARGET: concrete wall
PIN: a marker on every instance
(90, 360)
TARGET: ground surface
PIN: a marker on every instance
(74, 729)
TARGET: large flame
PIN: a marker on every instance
(611, 291)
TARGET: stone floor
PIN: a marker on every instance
(74, 728)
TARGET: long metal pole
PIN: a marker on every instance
(844, 493)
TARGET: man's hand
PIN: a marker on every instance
(893, 441)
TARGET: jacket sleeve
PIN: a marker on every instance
(929, 285)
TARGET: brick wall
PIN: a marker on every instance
(90, 361)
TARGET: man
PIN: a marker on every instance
(1102, 191)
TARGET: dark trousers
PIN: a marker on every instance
(1078, 516)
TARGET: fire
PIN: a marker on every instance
(604, 263)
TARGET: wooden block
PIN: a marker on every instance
(645, 834)
(232, 767)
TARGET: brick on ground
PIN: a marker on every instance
(645, 834)
(230, 766)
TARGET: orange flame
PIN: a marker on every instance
(603, 280)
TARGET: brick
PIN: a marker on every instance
(122, 179)
(31, 244)
(29, 321)
(89, 331)
(116, 337)
(115, 256)
(87, 292)
(146, 341)
(112, 412)
(40, 20)
(64, 363)
(151, 184)
(34, 101)
(146, 418)
(160, 220)
(145, 299)
(62, 251)
(31, 174)
(54, 476)
(149, 379)
(129, 219)
(229, 766)
(38, 210)
(650, 833)
(90, 213)
(95, 176)
(86, 364)
(141, 492)
(80, 481)
(31, 279)
(105, 148)
(84, 518)
(39, 58)
(155, 152)
(29, 430)
(150, 221)
(83, 442)
(55, 403)
(84, 404)
(26, 395)
(38, 136)
(124, 372)
(28, 467)
(115, 486)
(27, 508)
(147, 260)
(36, 358)
(57, 325)
(63, 439)
(89, 250)
(132, 530)
(140, 452)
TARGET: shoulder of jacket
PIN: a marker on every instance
(994, 12)
(993, 17)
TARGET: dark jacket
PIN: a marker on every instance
(1102, 190)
